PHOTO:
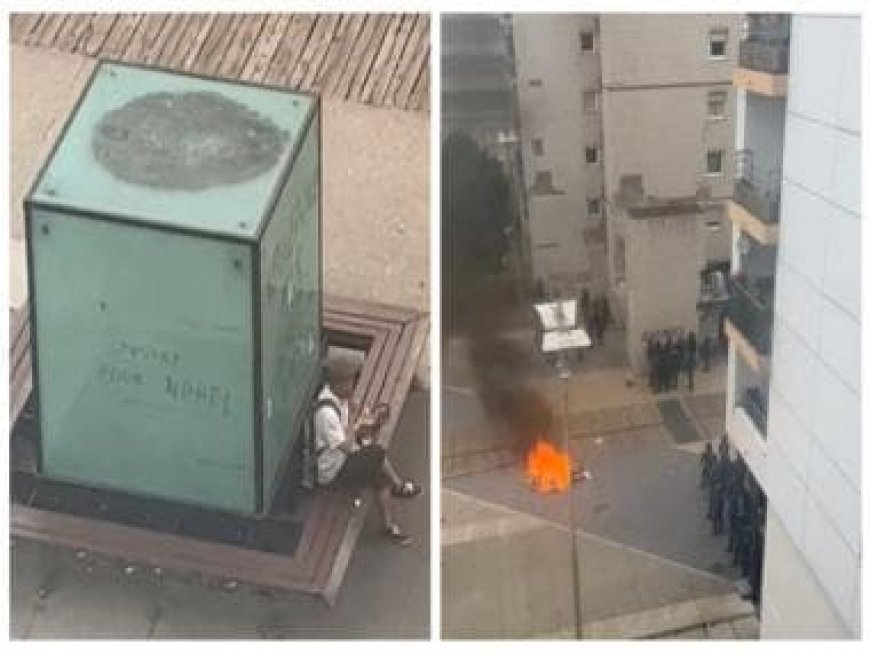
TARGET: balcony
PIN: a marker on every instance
(755, 203)
(754, 403)
(749, 321)
(749, 441)
(763, 61)
(714, 290)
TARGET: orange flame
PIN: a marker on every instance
(547, 468)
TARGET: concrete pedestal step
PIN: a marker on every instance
(726, 616)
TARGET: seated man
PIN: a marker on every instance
(344, 462)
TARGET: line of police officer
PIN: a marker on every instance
(736, 506)
(669, 353)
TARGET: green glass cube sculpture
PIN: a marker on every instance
(175, 280)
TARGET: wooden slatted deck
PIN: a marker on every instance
(393, 340)
(377, 59)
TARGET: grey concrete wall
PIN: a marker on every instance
(663, 133)
(664, 257)
(643, 49)
(656, 77)
(548, 49)
(718, 243)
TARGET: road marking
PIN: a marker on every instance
(541, 522)
(487, 529)
(667, 620)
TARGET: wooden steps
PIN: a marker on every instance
(377, 59)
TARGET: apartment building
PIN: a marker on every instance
(559, 97)
(627, 128)
(668, 138)
(793, 321)
(478, 99)
(477, 81)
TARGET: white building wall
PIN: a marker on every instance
(812, 561)
(786, 576)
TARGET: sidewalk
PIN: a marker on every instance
(506, 574)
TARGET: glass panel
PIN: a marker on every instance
(144, 360)
(175, 149)
(290, 301)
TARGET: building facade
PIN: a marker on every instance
(627, 135)
(477, 85)
(479, 99)
(793, 324)
(559, 97)
(668, 134)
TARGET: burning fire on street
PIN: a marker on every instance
(548, 469)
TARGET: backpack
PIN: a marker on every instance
(310, 452)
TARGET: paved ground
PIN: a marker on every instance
(646, 551)
(507, 574)
(741, 628)
(502, 394)
(53, 594)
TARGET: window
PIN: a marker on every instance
(538, 146)
(619, 258)
(591, 154)
(587, 41)
(715, 160)
(716, 104)
(590, 101)
(717, 43)
(536, 83)
(544, 180)
(593, 207)
(714, 219)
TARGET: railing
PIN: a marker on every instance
(714, 289)
(751, 311)
(755, 404)
(765, 43)
(758, 191)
